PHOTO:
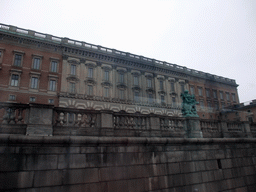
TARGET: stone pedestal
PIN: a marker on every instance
(40, 120)
(106, 119)
(192, 126)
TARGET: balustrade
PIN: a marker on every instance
(209, 126)
(75, 117)
(131, 121)
(12, 113)
(171, 123)
(234, 127)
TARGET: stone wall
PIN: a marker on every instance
(126, 164)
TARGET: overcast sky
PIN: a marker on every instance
(217, 37)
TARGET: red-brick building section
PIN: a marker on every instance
(29, 69)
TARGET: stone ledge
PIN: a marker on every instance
(21, 139)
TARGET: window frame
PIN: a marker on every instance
(15, 80)
(73, 69)
(53, 87)
(90, 72)
(34, 85)
(54, 66)
(15, 60)
(72, 87)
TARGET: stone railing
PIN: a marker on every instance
(47, 120)
(104, 50)
(13, 118)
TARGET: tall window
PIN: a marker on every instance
(136, 80)
(216, 106)
(233, 97)
(73, 70)
(121, 78)
(161, 84)
(227, 95)
(200, 91)
(182, 88)
(136, 96)
(207, 93)
(214, 94)
(14, 80)
(52, 85)
(90, 72)
(90, 90)
(150, 98)
(34, 83)
(106, 92)
(121, 94)
(172, 87)
(192, 90)
(36, 63)
(149, 83)
(106, 75)
(221, 95)
(209, 104)
(72, 87)
(17, 60)
(201, 103)
(174, 101)
(54, 66)
(162, 98)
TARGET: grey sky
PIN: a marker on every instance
(217, 37)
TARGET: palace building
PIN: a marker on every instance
(42, 68)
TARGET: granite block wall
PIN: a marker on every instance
(69, 163)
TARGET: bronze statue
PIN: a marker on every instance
(188, 105)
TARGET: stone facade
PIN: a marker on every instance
(96, 77)
(126, 164)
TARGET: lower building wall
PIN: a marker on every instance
(126, 164)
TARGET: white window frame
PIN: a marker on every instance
(52, 85)
(34, 85)
(72, 69)
(54, 66)
(15, 82)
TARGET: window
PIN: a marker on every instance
(90, 72)
(54, 66)
(136, 96)
(162, 98)
(200, 91)
(51, 101)
(106, 75)
(192, 90)
(161, 83)
(201, 103)
(221, 95)
(216, 106)
(52, 85)
(17, 60)
(36, 63)
(106, 92)
(182, 88)
(214, 94)
(90, 90)
(121, 94)
(14, 80)
(12, 97)
(222, 105)
(207, 92)
(172, 87)
(209, 104)
(73, 70)
(72, 87)
(149, 83)
(34, 83)
(121, 78)
(173, 100)
(150, 98)
(227, 95)
(233, 97)
(32, 99)
(0, 54)
(136, 80)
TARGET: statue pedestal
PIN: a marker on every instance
(192, 127)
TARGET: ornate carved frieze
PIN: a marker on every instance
(72, 78)
(90, 81)
(136, 88)
(106, 84)
(161, 92)
(121, 86)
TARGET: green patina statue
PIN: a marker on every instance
(188, 105)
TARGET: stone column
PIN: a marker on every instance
(40, 120)
(224, 129)
(247, 129)
(192, 126)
